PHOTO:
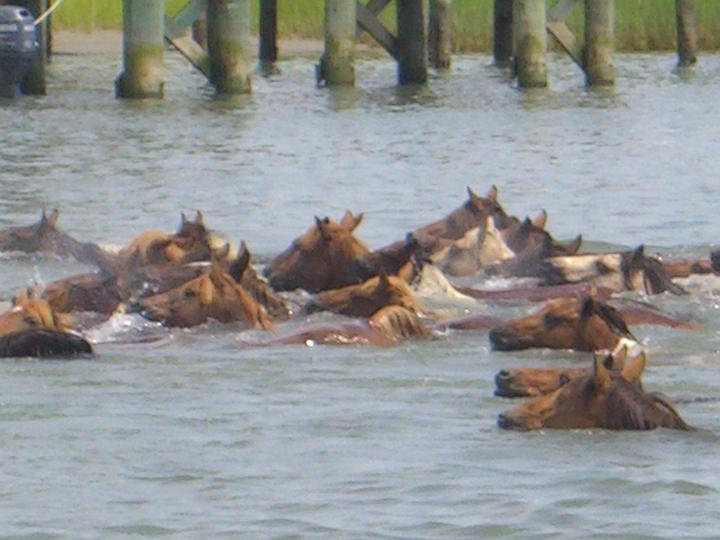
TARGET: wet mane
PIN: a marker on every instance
(628, 408)
(611, 317)
(397, 323)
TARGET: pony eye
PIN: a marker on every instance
(189, 293)
(29, 320)
(550, 320)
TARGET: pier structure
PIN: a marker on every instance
(213, 36)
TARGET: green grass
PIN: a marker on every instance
(640, 25)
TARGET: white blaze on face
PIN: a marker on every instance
(493, 248)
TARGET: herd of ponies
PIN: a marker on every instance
(189, 277)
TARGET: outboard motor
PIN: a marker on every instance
(18, 47)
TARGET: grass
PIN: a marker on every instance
(640, 25)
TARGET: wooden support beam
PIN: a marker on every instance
(599, 42)
(412, 42)
(686, 21)
(228, 25)
(503, 32)
(177, 26)
(143, 46)
(368, 22)
(268, 49)
(194, 53)
(439, 34)
(564, 36)
(529, 30)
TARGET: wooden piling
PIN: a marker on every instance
(530, 38)
(439, 34)
(143, 46)
(411, 42)
(228, 26)
(599, 42)
(268, 49)
(337, 65)
(503, 32)
(686, 21)
(35, 82)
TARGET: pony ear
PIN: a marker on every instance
(207, 288)
(350, 221)
(620, 357)
(633, 370)
(49, 219)
(492, 193)
(601, 375)
(638, 254)
(199, 218)
(540, 220)
(573, 246)
(321, 225)
(383, 280)
(241, 262)
(183, 218)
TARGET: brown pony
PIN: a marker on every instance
(468, 216)
(387, 326)
(44, 236)
(601, 399)
(582, 324)
(366, 298)
(191, 243)
(531, 381)
(323, 257)
(212, 295)
(96, 291)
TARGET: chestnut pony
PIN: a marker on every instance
(601, 399)
(323, 257)
(214, 294)
(531, 381)
(583, 324)
(366, 298)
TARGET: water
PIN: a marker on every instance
(197, 437)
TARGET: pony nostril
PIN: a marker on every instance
(504, 422)
(499, 339)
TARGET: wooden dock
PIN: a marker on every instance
(213, 36)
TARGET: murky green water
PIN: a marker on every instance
(196, 437)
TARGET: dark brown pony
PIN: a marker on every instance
(43, 343)
(387, 326)
(366, 298)
(323, 257)
(212, 295)
(95, 291)
(582, 324)
(601, 399)
(44, 236)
